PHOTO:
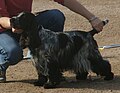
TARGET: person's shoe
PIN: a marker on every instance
(2, 76)
(28, 57)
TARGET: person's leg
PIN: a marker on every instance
(10, 53)
(52, 20)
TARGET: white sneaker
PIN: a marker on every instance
(2, 76)
(28, 56)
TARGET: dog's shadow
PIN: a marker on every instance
(97, 84)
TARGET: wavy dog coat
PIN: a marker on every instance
(55, 52)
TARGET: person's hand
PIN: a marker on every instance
(5, 23)
(97, 24)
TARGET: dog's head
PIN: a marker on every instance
(24, 21)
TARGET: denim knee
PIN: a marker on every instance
(10, 51)
(15, 55)
(51, 19)
(10, 57)
(3, 56)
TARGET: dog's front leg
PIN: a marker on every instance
(41, 80)
(81, 75)
(54, 75)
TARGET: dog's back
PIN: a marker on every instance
(66, 47)
(82, 43)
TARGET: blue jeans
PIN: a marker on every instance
(11, 52)
(52, 20)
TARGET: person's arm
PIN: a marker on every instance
(4, 16)
(75, 6)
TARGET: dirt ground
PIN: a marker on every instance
(20, 78)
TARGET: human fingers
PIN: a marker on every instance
(97, 24)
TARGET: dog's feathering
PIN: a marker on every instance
(55, 52)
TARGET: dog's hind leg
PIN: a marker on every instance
(103, 68)
(106, 70)
(54, 75)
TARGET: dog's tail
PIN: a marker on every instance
(94, 31)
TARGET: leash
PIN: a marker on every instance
(109, 46)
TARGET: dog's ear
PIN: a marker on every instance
(24, 40)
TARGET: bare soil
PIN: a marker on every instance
(20, 77)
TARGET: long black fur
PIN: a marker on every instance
(55, 52)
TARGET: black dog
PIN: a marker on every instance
(55, 52)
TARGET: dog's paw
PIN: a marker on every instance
(81, 76)
(109, 77)
(62, 79)
(41, 81)
(50, 85)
